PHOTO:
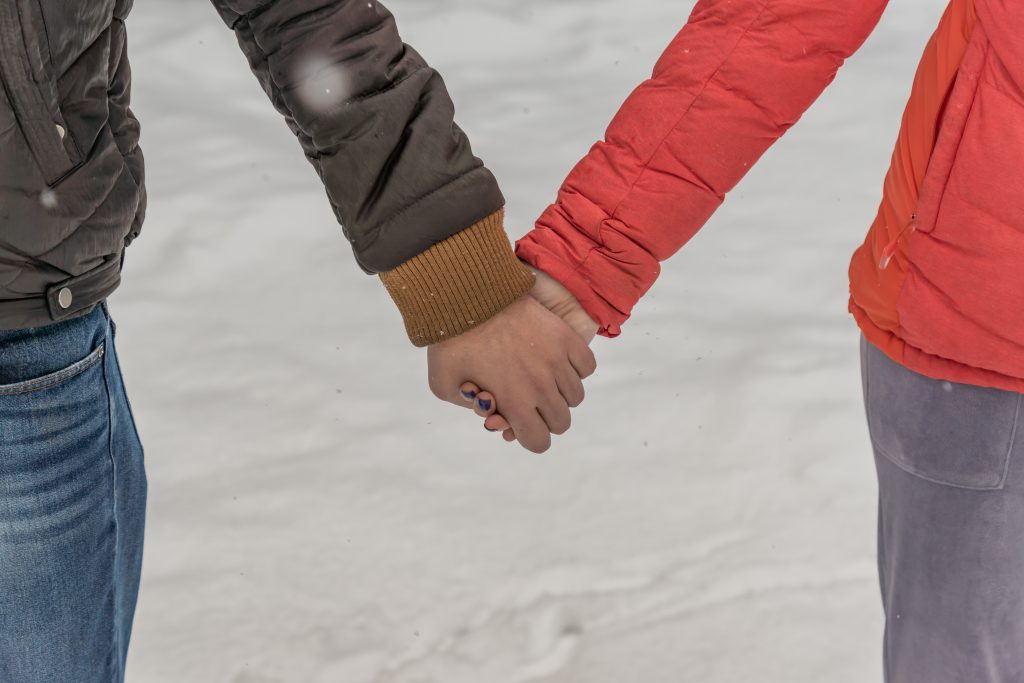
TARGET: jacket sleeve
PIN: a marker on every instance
(737, 76)
(378, 126)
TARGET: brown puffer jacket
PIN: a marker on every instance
(416, 205)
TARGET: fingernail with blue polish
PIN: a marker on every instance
(469, 395)
(485, 404)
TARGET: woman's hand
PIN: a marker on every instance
(557, 299)
(527, 355)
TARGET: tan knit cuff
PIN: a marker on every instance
(459, 283)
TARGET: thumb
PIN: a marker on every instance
(553, 295)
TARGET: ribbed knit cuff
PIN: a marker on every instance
(459, 283)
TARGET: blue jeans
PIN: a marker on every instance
(72, 504)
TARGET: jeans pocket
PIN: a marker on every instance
(56, 378)
(55, 457)
(945, 432)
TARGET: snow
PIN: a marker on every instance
(317, 517)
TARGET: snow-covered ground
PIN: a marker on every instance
(317, 517)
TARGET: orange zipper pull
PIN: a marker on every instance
(890, 248)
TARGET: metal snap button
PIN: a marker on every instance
(64, 297)
(61, 131)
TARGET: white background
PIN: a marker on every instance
(317, 517)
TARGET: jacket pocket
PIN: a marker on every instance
(32, 92)
(945, 432)
(34, 35)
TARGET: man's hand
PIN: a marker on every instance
(527, 355)
(560, 301)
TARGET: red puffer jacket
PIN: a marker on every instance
(939, 281)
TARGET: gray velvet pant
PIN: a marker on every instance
(950, 464)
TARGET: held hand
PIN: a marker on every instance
(553, 296)
(560, 301)
(526, 354)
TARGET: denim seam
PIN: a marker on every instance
(58, 377)
(127, 400)
(115, 631)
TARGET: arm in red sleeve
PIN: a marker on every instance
(1003, 24)
(737, 76)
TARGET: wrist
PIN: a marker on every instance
(459, 283)
(560, 301)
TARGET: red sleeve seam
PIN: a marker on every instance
(696, 98)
